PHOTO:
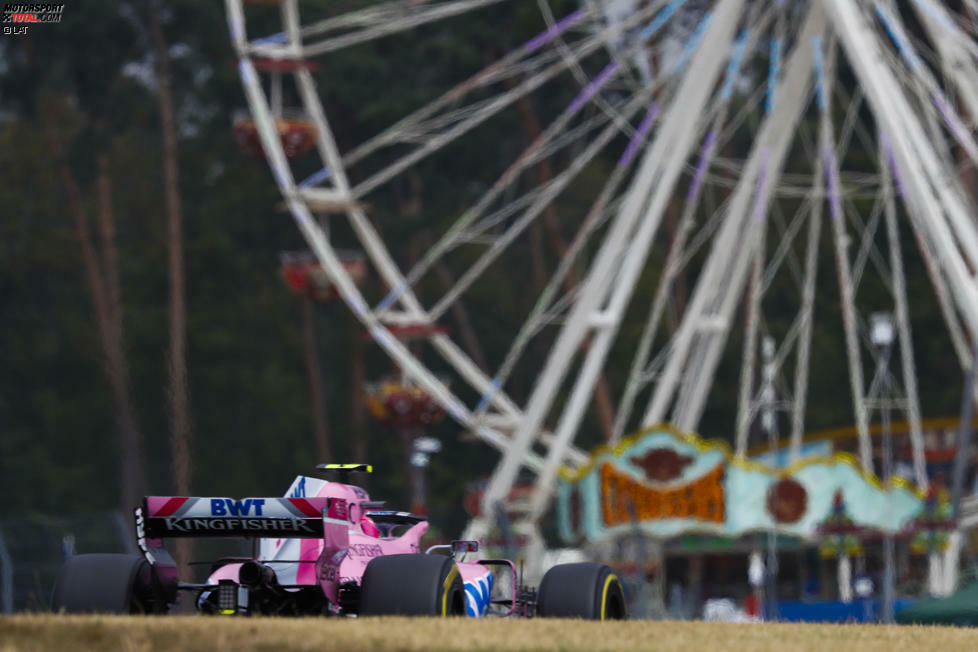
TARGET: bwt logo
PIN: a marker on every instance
(229, 507)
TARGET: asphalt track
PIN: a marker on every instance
(123, 633)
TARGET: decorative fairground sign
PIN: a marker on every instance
(668, 483)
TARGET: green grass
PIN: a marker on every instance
(121, 633)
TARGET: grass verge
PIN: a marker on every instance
(132, 633)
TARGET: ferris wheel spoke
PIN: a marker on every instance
(971, 7)
(585, 48)
(956, 51)
(851, 128)
(392, 18)
(807, 310)
(461, 228)
(784, 254)
(725, 270)
(379, 254)
(545, 308)
(903, 325)
(534, 154)
(523, 60)
(385, 12)
(867, 249)
(949, 195)
(935, 212)
(385, 264)
(659, 8)
(605, 294)
(933, 97)
(356, 216)
(867, 240)
(436, 116)
(555, 187)
(670, 270)
(845, 284)
(935, 273)
(674, 260)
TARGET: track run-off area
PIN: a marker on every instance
(54, 632)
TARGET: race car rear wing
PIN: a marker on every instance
(166, 517)
(178, 516)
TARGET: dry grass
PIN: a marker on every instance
(118, 633)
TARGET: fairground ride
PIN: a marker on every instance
(737, 144)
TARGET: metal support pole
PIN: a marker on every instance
(903, 327)
(889, 578)
(889, 581)
(800, 383)
(745, 407)
(964, 435)
(846, 289)
(882, 333)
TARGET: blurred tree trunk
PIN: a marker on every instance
(102, 279)
(177, 354)
(531, 129)
(314, 375)
(133, 471)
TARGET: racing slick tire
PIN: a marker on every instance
(103, 583)
(412, 585)
(584, 590)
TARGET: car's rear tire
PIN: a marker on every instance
(412, 585)
(584, 590)
(104, 583)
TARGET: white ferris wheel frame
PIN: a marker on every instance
(939, 217)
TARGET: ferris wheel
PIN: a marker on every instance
(726, 147)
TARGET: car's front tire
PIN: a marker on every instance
(584, 590)
(412, 585)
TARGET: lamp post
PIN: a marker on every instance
(422, 450)
(408, 409)
(881, 334)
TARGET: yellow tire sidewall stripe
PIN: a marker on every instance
(447, 585)
(604, 592)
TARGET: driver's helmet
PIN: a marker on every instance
(369, 527)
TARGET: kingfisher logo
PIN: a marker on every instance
(17, 16)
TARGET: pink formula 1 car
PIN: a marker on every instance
(325, 548)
